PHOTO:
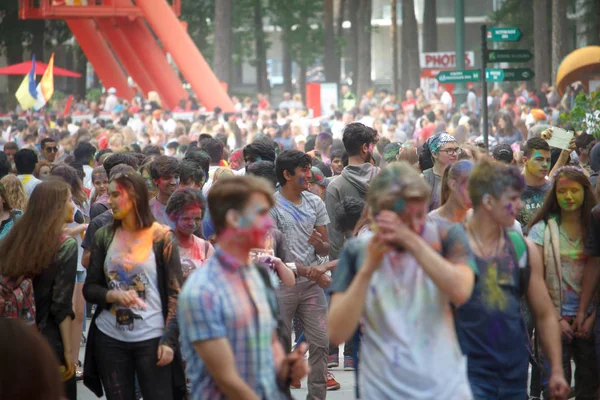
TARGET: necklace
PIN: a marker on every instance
(479, 244)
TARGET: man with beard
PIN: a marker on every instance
(165, 172)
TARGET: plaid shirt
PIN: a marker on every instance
(225, 300)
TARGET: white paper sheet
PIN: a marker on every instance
(560, 138)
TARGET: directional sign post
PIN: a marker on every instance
(518, 74)
(516, 55)
(494, 75)
(510, 34)
(458, 76)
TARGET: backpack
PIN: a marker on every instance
(521, 257)
(16, 299)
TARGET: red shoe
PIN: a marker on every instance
(295, 384)
(332, 384)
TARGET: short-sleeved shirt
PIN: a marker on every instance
(29, 183)
(409, 348)
(159, 211)
(592, 242)
(532, 198)
(224, 300)
(297, 223)
(194, 256)
(130, 264)
(572, 260)
(435, 181)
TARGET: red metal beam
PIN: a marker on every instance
(192, 65)
(99, 54)
(153, 58)
(46, 10)
(126, 54)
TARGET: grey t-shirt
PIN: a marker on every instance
(297, 223)
(435, 181)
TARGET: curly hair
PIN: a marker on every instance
(14, 192)
(182, 199)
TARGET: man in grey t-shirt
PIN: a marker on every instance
(302, 217)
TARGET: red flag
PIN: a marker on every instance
(68, 106)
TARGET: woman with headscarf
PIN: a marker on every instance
(443, 151)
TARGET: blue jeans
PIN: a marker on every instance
(487, 391)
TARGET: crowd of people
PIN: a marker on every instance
(230, 256)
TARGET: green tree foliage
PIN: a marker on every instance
(585, 116)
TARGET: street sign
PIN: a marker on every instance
(516, 55)
(494, 75)
(465, 75)
(445, 60)
(508, 74)
(510, 34)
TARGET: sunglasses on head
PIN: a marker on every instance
(52, 149)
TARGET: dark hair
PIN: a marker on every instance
(11, 146)
(289, 160)
(458, 171)
(136, 188)
(135, 148)
(191, 169)
(27, 355)
(200, 157)
(355, 136)
(100, 153)
(510, 126)
(4, 165)
(172, 145)
(183, 198)
(151, 150)
(264, 169)
(164, 166)
(25, 161)
(551, 207)
(46, 140)
(347, 213)
(119, 158)
(488, 177)
(69, 174)
(233, 193)
(581, 141)
(536, 143)
(337, 153)
(214, 149)
(381, 144)
(310, 143)
(204, 136)
(325, 140)
(84, 153)
(260, 150)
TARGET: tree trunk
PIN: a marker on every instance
(410, 77)
(302, 82)
(38, 30)
(329, 48)
(262, 80)
(430, 34)
(394, 40)
(541, 56)
(559, 34)
(222, 60)
(593, 28)
(353, 17)
(81, 62)
(339, 50)
(287, 69)
(14, 55)
(364, 48)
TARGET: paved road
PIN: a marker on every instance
(346, 380)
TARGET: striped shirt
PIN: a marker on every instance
(227, 300)
(297, 223)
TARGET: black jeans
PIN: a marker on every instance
(119, 362)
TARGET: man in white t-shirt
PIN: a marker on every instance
(25, 162)
(400, 280)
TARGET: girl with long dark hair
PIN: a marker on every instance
(134, 277)
(560, 229)
(36, 248)
(506, 131)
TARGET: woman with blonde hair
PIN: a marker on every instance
(8, 214)
(15, 193)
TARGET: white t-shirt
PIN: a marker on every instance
(29, 183)
(409, 348)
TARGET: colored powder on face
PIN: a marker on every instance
(399, 206)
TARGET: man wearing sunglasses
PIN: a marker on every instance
(49, 149)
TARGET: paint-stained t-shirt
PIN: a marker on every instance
(297, 223)
(532, 198)
(409, 348)
(159, 211)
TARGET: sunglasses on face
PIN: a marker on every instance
(52, 149)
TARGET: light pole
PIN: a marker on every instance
(460, 89)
